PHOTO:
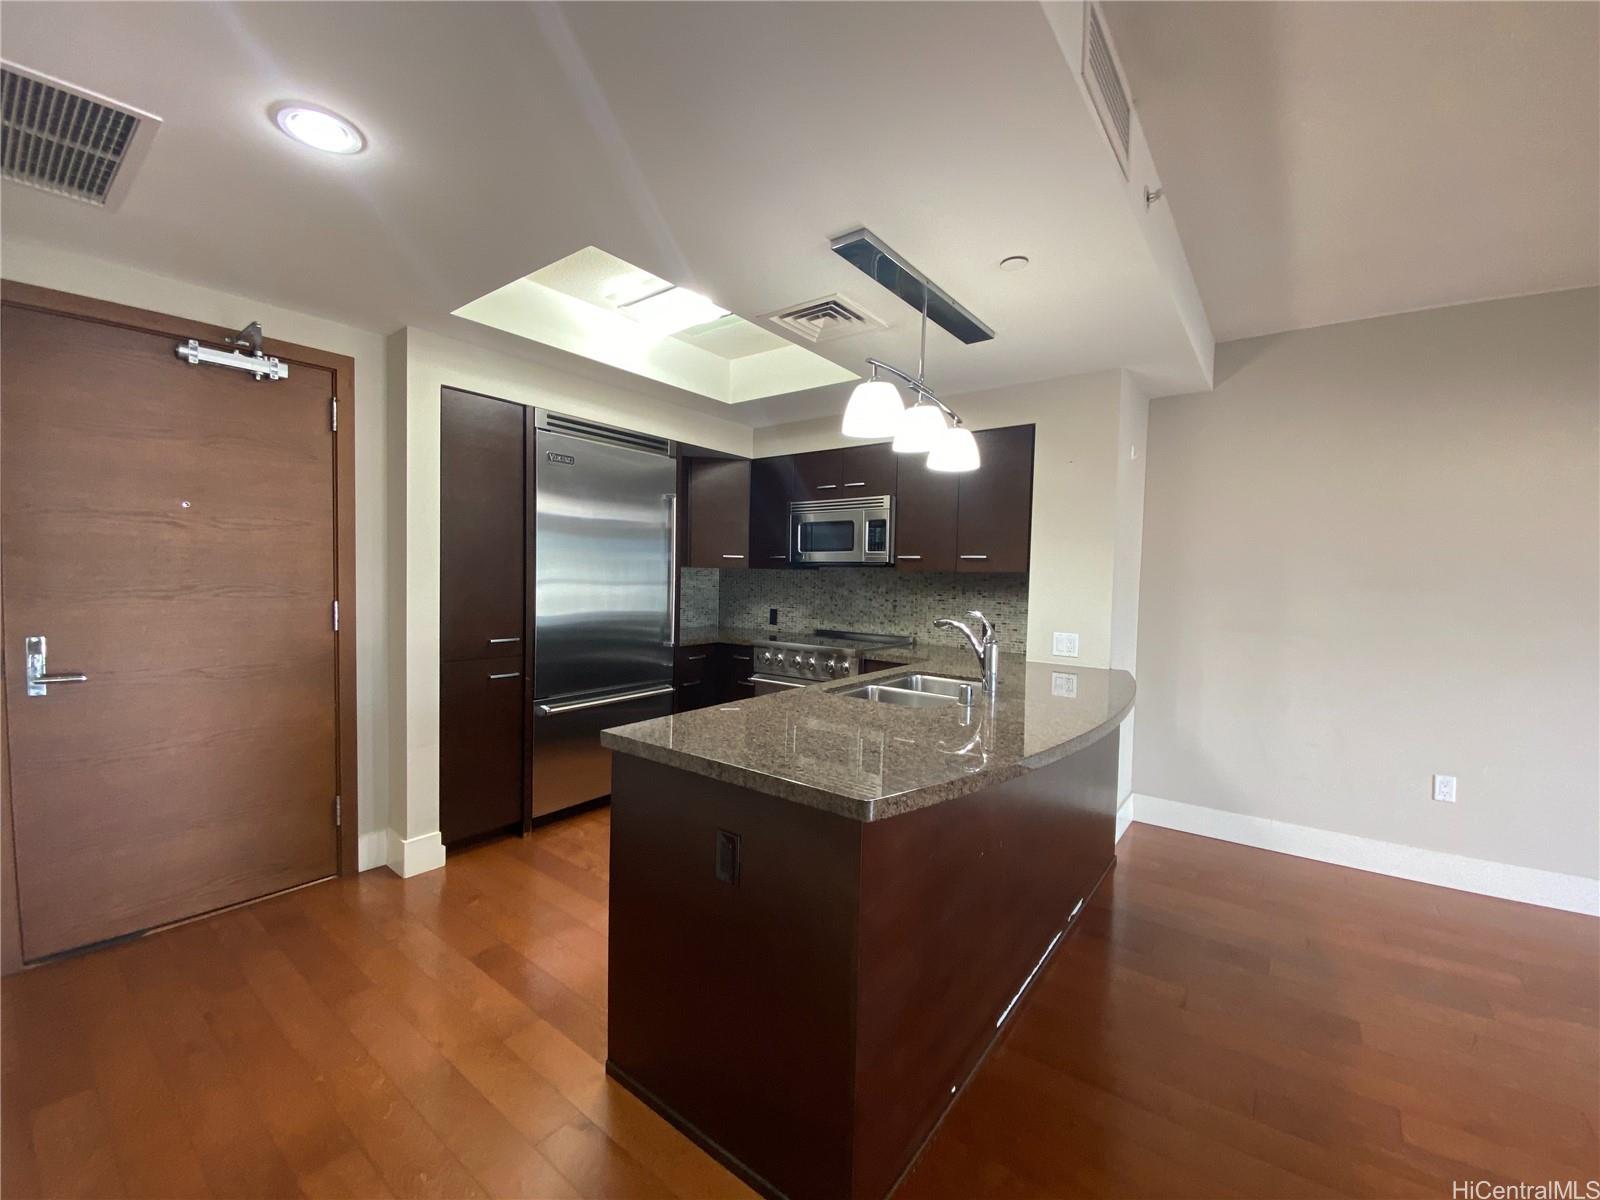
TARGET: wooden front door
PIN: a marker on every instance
(170, 531)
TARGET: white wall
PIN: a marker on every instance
(1370, 554)
(44, 266)
(1133, 420)
(420, 364)
(1072, 553)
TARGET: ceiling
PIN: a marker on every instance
(1331, 161)
(719, 146)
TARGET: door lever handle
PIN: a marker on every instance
(39, 678)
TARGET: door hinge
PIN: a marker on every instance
(338, 811)
(336, 616)
(333, 413)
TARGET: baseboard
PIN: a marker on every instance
(1124, 815)
(372, 850)
(1548, 889)
(413, 856)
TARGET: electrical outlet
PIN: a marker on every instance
(1444, 788)
(1064, 645)
(1064, 683)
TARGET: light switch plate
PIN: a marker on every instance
(1064, 645)
(1064, 683)
(1444, 788)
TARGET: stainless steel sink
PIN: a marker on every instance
(916, 691)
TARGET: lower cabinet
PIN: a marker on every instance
(480, 747)
(711, 674)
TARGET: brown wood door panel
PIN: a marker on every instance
(773, 483)
(170, 530)
(481, 505)
(817, 474)
(994, 518)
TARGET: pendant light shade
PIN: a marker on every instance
(956, 450)
(921, 427)
(875, 410)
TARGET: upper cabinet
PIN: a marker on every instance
(773, 483)
(718, 512)
(925, 519)
(481, 537)
(994, 504)
(852, 471)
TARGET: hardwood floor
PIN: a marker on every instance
(1224, 1022)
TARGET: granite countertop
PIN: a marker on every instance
(871, 761)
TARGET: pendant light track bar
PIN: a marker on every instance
(916, 385)
(869, 254)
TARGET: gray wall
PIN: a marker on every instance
(1370, 555)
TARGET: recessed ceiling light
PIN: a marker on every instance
(319, 128)
(1015, 263)
(672, 309)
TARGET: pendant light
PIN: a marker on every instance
(956, 450)
(927, 427)
(875, 409)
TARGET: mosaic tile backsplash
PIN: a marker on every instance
(872, 599)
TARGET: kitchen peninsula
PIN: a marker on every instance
(825, 906)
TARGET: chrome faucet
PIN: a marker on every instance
(987, 648)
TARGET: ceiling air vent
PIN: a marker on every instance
(1105, 85)
(825, 319)
(68, 141)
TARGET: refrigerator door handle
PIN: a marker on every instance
(672, 567)
(575, 705)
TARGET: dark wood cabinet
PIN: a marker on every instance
(482, 559)
(481, 526)
(773, 483)
(480, 747)
(711, 674)
(850, 471)
(718, 512)
(994, 505)
(925, 519)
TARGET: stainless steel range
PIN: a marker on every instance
(834, 654)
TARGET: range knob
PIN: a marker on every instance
(796, 659)
(844, 666)
(831, 666)
(811, 663)
(766, 658)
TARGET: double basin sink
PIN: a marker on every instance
(917, 691)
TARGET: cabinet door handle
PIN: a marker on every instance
(507, 675)
(503, 641)
(822, 487)
(779, 557)
(910, 557)
(975, 557)
(733, 556)
(694, 658)
(857, 483)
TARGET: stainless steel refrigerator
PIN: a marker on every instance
(603, 621)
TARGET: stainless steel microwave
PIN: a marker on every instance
(858, 531)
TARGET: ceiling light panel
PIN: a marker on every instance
(673, 309)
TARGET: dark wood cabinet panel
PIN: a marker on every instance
(925, 518)
(849, 471)
(773, 482)
(816, 474)
(994, 504)
(693, 678)
(480, 747)
(867, 470)
(481, 538)
(718, 504)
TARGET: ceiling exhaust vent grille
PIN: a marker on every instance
(1106, 87)
(826, 319)
(67, 141)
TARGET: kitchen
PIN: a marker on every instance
(695, 607)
